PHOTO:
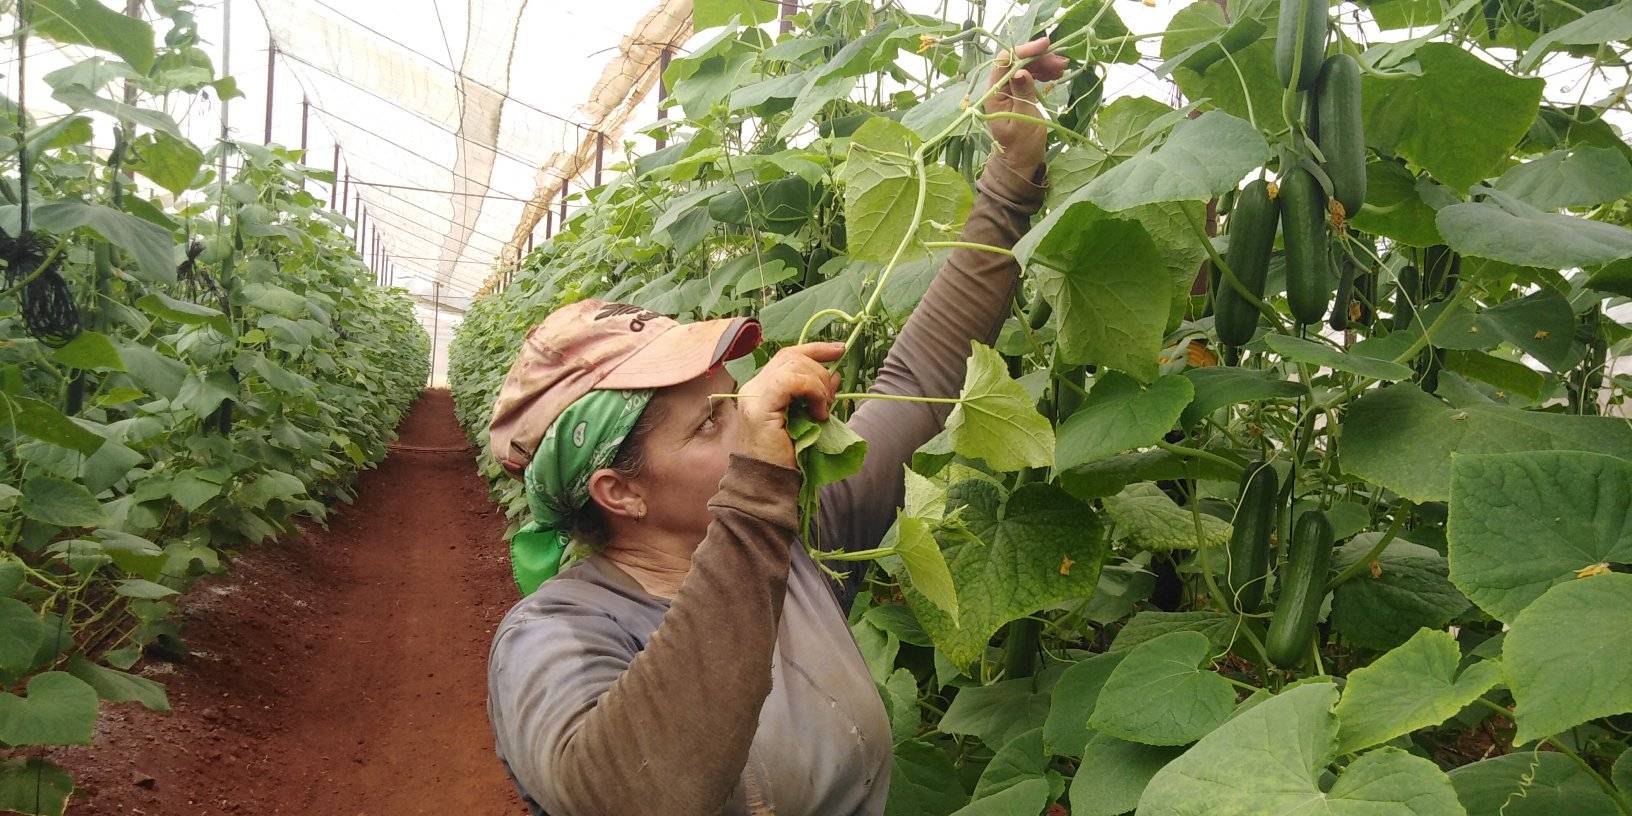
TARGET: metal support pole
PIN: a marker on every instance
(345, 192)
(362, 225)
(564, 185)
(305, 117)
(789, 8)
(226, 70)
(436, 320)
(271, 63)
(600, 151)
(529, 243)
(336, 202)
(549, 225)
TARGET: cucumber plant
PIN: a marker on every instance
(188, 363)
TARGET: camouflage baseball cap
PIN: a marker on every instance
(595, 344)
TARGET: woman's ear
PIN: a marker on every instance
(616, 495)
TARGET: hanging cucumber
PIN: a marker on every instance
(1087, 91)
(952, 152)
(1362, 310)
(1255, 514)
(1303, 587)
(1338, 131)
(1405, 299)
(1339, 318)
(1312, 13)
(1440, 267)
(1303, 230)
(1252, 239)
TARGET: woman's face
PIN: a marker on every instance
(686, 455)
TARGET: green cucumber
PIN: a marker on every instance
(1302, 588)
(1252, 239)
(1339, 318)
(1255, 515)
(1338, 131)
(1312, 13)
(1303, 230)
(1406, 297)
(1087, 91)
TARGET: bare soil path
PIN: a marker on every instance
(339, 672)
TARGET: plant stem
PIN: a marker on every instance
(857, 395)
(1364, 563)
(963, 245)
(1197, 453)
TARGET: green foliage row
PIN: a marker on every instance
(234, 367)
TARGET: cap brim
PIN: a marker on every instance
(685, 352)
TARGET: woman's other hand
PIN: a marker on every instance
(1022, 143)
(795, 373)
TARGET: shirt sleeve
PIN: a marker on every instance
(967, 301)
(591, 724)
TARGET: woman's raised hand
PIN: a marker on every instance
(795, 373)
(1022, 142)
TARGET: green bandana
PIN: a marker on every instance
(581, 441)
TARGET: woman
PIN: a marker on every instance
(697, 662)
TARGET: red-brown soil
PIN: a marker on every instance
(338, 672)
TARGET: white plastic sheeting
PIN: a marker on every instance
(451, 115)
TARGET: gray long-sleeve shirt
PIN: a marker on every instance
(746, 694)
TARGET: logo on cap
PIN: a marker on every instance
(619, 309)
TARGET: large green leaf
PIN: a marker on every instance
(1298, 350)
(1023, 799)
(926, 564)
(1605, 25)
(169, 162)
(92, 351)
(1574, 177)
(1522, 522)
(1075, 695)
(1119, 415)
(44, 422)
(60, 709)
(711, 13)
(21, 634)
(1568, 658)
(882, 190)
(1458, 119)
(1113, 774)
(1151, 624)
(150, 244)
(1244, 83)
(1542, 324)
(1408, 591)
(1202, 158)
(1038, 547)
(1268, 761)
(1517, 233)
(118, 686)
(90, 22)
(923, 782)
(996, 420)
(1530, 783)
(1413, 686)
(1148, 519)
(997, 713)
(1020, 759)
(1402, 439)
(1105, 278)
(60, 502)
(184, 312)
(1162, 694)
(1218, 386)
(33, 787)
(1395, 206)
